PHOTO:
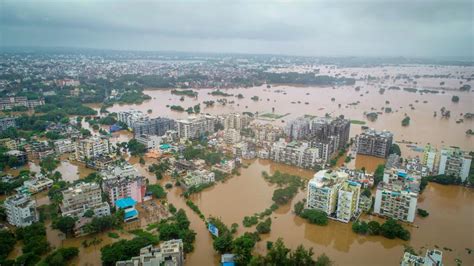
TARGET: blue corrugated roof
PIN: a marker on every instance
(228, 263)
(125, 203)
(131, 214)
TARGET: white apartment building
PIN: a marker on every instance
(397, 196)
(455, 162)
(64, 146)
(231, 136)
(323, 190)
(348, 201)
(195, 126)
(91, 148)
(196, 178)
(36, 184)
(235, 121)
(150, 141)
(82, 197)
(123, 181)
(130, 117)
(21, 210)
(295, 153)
(170, 253)
(433, 257)
(430, 157)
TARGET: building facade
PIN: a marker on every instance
(21, 210)
(196, 126)
(83, 197)
(374, 143)
(93, 147)
(454, 162)
(155, 126)
(122, 182)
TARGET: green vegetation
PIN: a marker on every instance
(406, 121)
(358, 122)
(279, 254)
(177, 227)
(395, 149)
(389, 229)
(64, 224)
(195, 208)
(378, 174)
(7, 243)
(265, 226)
(101, 224)
(35, 244)
(157, 191)
(60, 256)
(289, 185)
(299, 207)
(315, 216)
(441, 179)
(455, 99)
(189, 93)
(113, 235)
(273, 116)
(177, 108)
(123, 250)
(49, 163)
(254, 98)
(136, 148)
(250, 221)
(306, 79)
(220, 93)
(423, 213)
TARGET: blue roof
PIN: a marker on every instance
(131, 214)
(165, 146)
(125, 203)
(230, 263)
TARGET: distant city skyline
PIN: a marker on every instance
(321, 28)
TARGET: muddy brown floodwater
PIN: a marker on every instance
(449, 225)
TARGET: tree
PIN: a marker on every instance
(123, 250)
(242, 247)
(373, 228)
(406, 121)
(49, 163)
(395, 149)
(323, 260)
(299, 207)
(302, 257)
(223, 243)
(7, 243)
(64, 224)
(277, 255)
(136, 148)
(378, 174)
(264, 227)
(157, 191)
(455, 99)
(360, 227)
(315, 216)
(61, 256)
(423, 213)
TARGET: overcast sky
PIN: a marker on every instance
(320, 28)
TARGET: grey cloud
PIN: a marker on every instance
(425, 28)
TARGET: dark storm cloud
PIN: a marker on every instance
(424, 28)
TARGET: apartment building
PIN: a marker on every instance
(7, 122)
(38, 150)
(298, 128)
(7, 103)
(9, 143)
(196, 178)
(93, 147)
(20, 156)
(397, 195)
(295, 153)
(235, 121)
(170, 253)
(82, 197)
(62, 146)
(322, 129)
(21, 210)
(348, 201)
(150, 141)
(374, 143)
(123, 181)
(245, 149)
(454, 162)
(155, 126)
(323, 190)
(433, 257)
(130, 117)
(430, 157)
(36, 184)
(196, 126)
(231, 136)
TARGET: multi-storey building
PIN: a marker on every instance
(123, 181)
(150, 141)
(64, 146)
(323, 129)
(83, 197)
(196, 178)
(38, 150)
(348, 201)
(397, 195)
(7, 122)
(8, 103)
(432, 258)
(21, 210)
(170, 253)
(20, 156)
(323, 190)
(235, 121)
(298, 128)
(36, 184)
(295, 153)
(374, 143)
(155, 126)
(195, 126)
(454, 162)
(231, 136)
(9, 143)
(93, 147)
(130, 117)
(266, 132)
(430, 157)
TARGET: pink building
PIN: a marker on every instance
(122, 182)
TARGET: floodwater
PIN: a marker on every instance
(424, 127)
(449, 224)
